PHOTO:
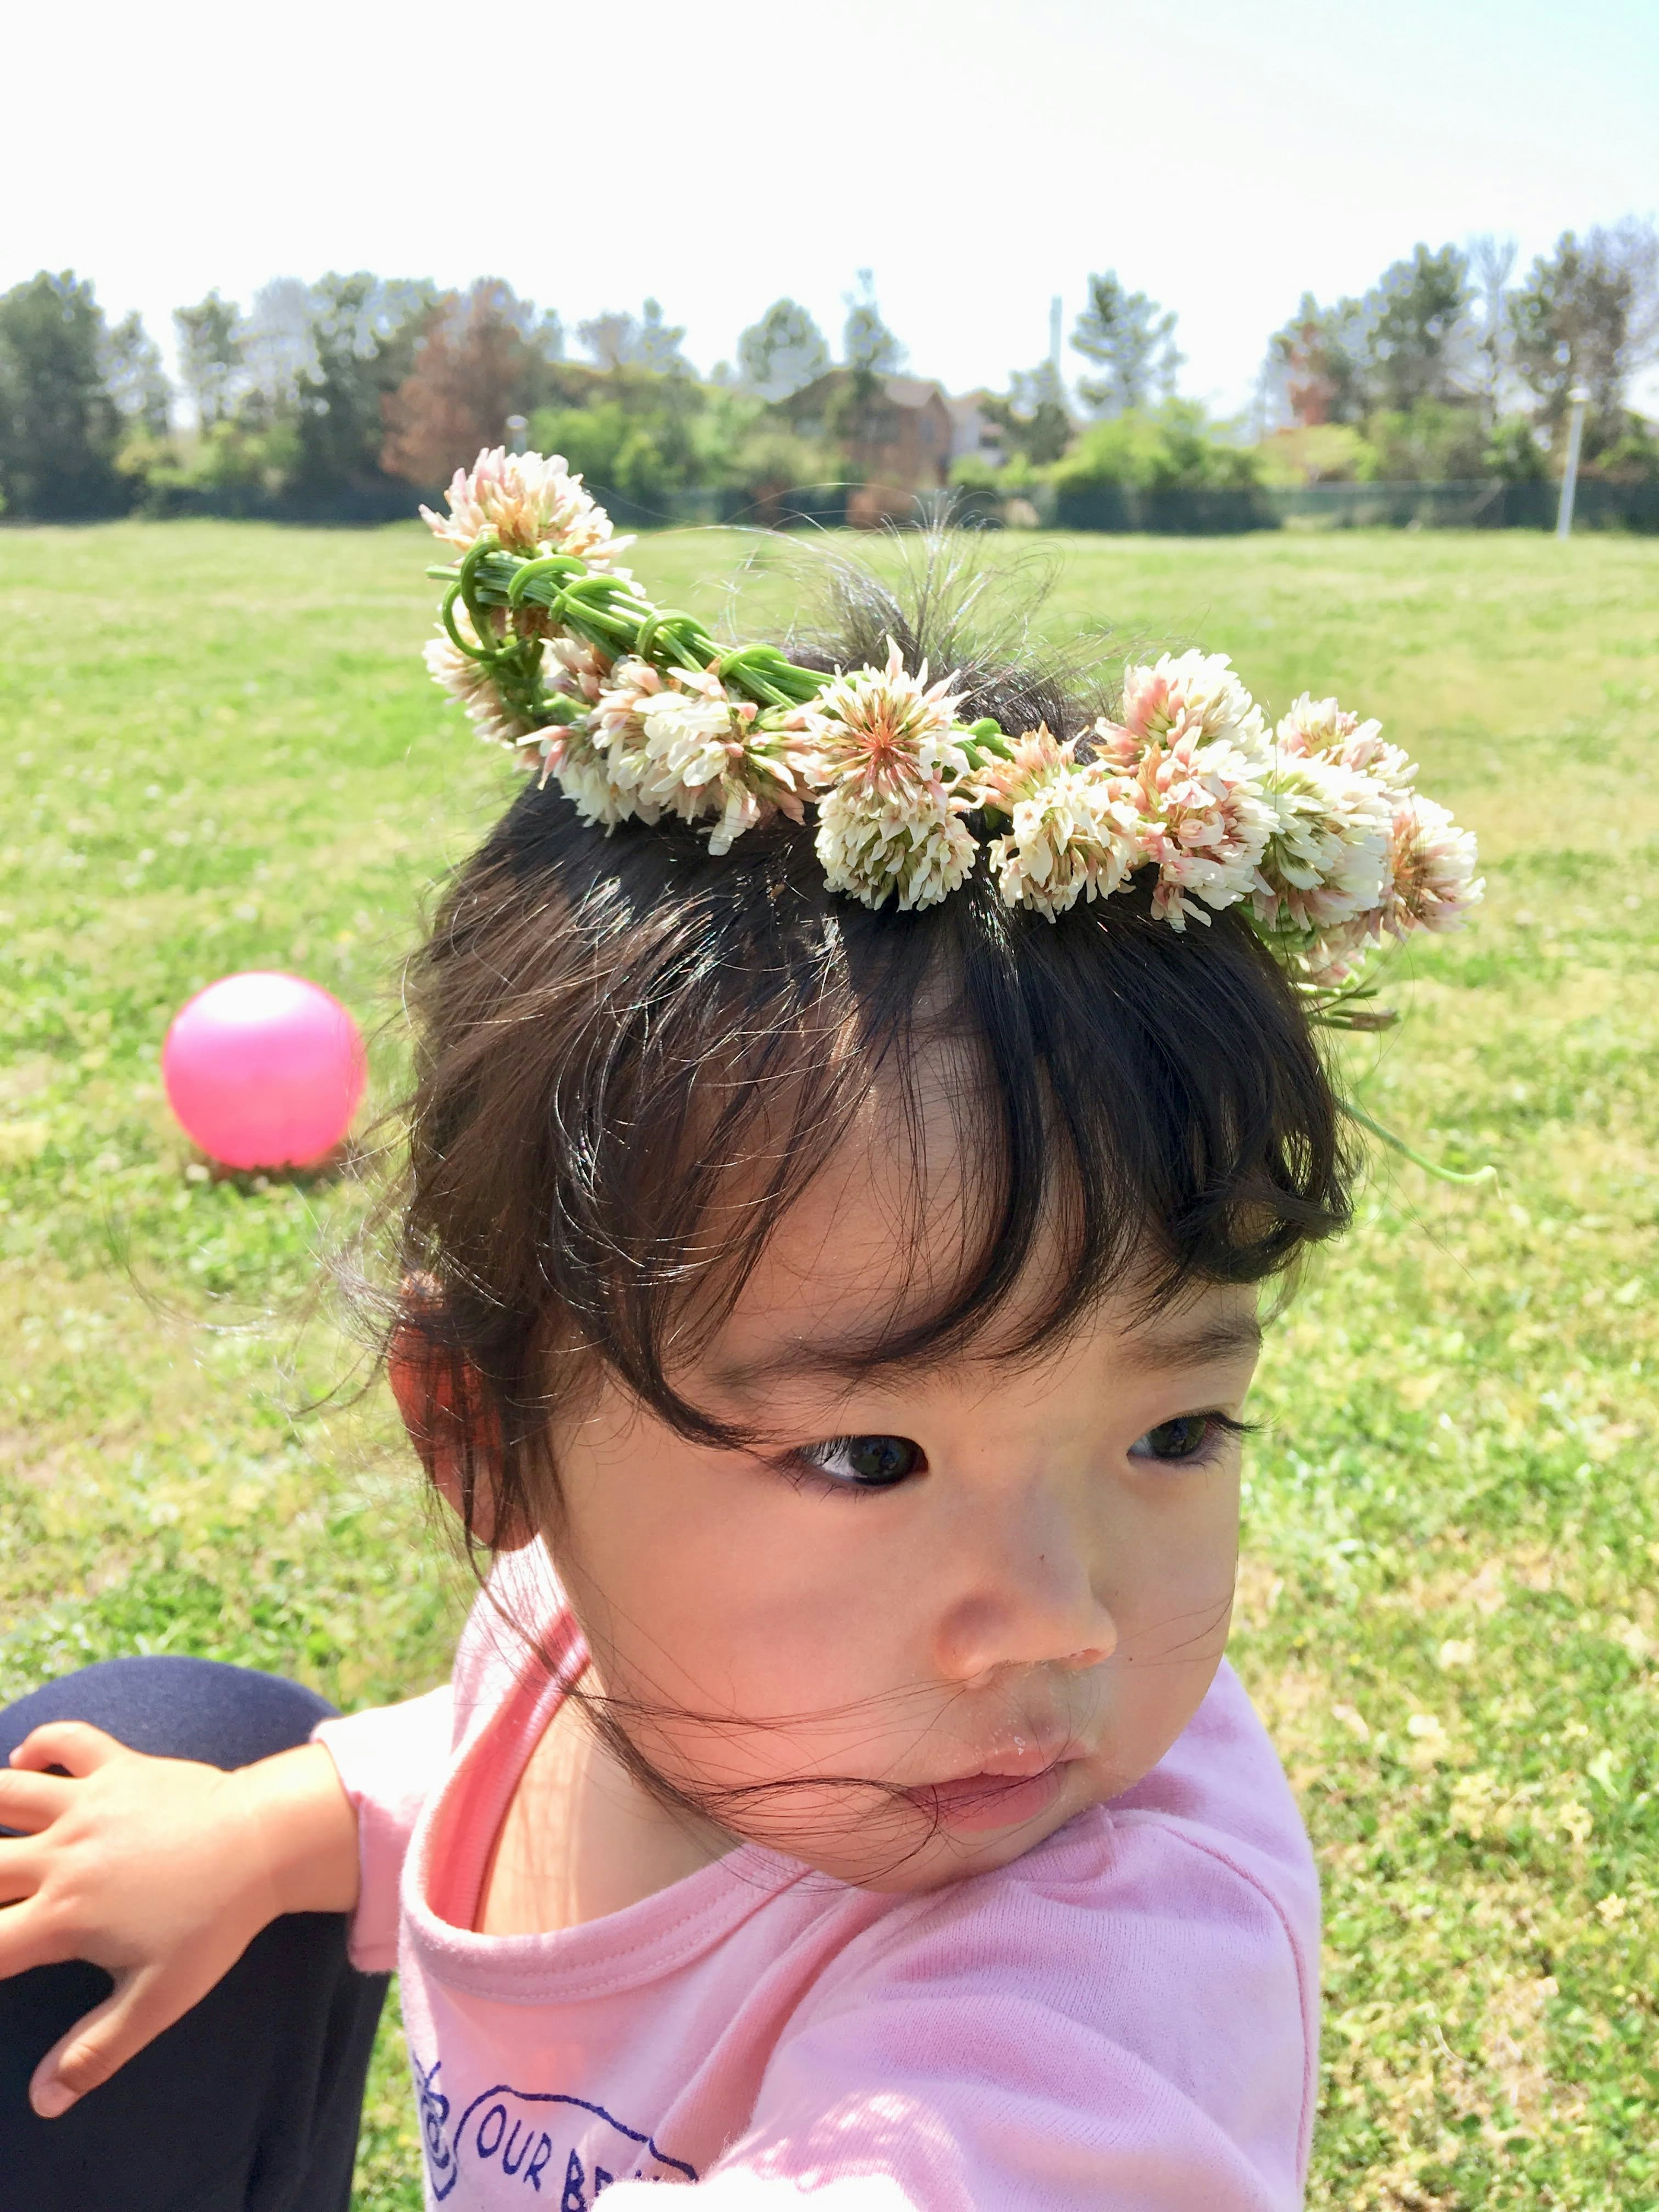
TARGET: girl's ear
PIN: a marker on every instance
(447, 1413)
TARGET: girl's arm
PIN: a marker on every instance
(162, 1871)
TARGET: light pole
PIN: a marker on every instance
(1579, 396)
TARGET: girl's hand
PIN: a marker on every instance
(162, 1871)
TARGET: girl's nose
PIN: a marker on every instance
(1027, 1598)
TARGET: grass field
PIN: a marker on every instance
(220, 751)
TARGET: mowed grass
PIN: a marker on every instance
(220, 751)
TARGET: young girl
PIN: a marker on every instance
(856, 1116)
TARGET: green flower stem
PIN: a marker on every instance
(446, 614)
(610, 615)
(1487, 1174)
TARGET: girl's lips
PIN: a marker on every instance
(974, 1803)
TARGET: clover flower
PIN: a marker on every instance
(682, 744)
(1191, 696)
(496, 720)
(575, 668)
(1432, 866)
(1074, 833)
(585, 776)
(1326, 860)
(886, 752)
(1203, 823)
(534, 505)
(1322, 729)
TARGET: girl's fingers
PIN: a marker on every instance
(24, 1941)
(142, 2007)
(31, 1801)
(20, 1874)
(76, 1746)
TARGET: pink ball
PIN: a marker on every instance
(264, 1071)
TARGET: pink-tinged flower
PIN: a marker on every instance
(575, 668)
(888, 759)
(1432, 864)
(1204, 822)
(1325, 731)
(1335, 955)
(533, 505)
(1191, 698)
(1326, 855)
(681, 744)
(1074, 833)
(470, 682)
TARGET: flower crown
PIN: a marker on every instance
(1315, 829)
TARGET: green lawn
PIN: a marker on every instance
(221, 751)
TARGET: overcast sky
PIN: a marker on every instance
(1221, 155)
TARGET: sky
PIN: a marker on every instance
(1223, 155)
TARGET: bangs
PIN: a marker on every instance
(637, 1058)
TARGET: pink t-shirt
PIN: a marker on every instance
(1124, 2020)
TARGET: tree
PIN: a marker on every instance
(135, 378)
(1172, 447)
(1491, 264)
(656, 345)
(1419, 335)
(364, 330)
(1589, 313)
(616, 340)
(1132, 340)
(866, 342)
(782, 352)
(276, 344)
(210, 356)
(1319, 359)
(476, 363)
(59, 428)
(1034, 418)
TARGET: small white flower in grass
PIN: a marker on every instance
(1326, 860)
(681, 744)
(1431, 870)
(1193, 696)
(894, 784)
(534, 505)
(470, 683)
(1074, 833)
(1321, 728)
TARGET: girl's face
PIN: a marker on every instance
(930, 1614)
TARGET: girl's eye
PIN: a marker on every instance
(1190, 1436)
(864, 1462)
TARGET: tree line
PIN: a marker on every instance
(1452, 365)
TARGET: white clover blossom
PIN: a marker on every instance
(1189, 697)
(585, 775)
(894, 778)
(1321, 728)
(871, 845)
(575, 669)
(1204, 823)
(1431, 865)
(684, 745)
(470, 682)
(1326, 860)
(533, 504)
(1074, 833)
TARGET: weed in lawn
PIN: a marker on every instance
(222, 752)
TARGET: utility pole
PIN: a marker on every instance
(1579, 396)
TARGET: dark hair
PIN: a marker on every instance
(632, 1056)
